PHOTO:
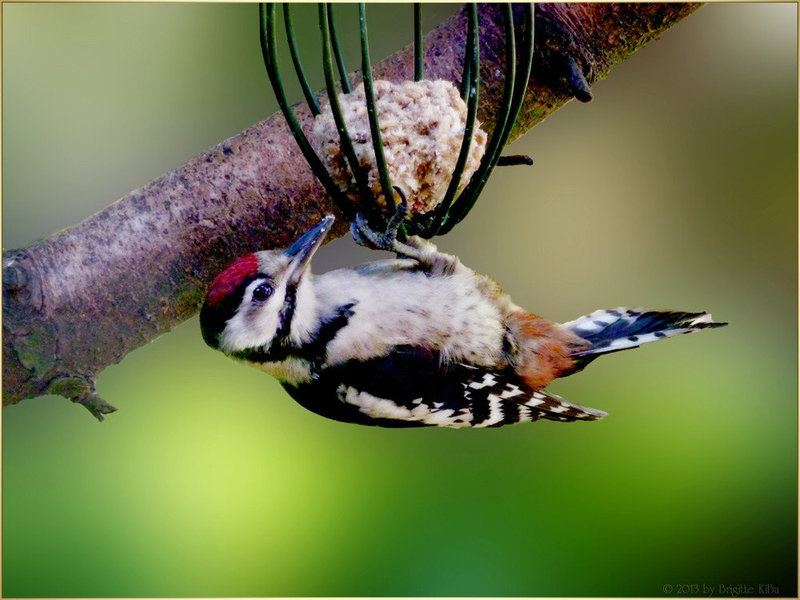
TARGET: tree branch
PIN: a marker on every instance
(83, 298)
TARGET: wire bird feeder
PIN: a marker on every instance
(361, 159)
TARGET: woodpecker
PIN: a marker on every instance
(421, 340)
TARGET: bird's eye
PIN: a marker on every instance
(262, 292)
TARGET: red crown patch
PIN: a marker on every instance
(226, 282)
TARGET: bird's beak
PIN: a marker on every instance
(303, 249)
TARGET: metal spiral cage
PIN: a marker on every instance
(453, 208)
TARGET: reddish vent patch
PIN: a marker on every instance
(227, 281)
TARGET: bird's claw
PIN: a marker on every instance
(364, 235)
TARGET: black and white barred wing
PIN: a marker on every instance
(468, 397)
(412, 388)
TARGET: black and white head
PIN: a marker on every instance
(263, 298)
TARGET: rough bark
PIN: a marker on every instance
(82, 299)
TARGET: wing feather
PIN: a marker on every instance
(412, 387)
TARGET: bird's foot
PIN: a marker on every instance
(387, 240)
(424, 252)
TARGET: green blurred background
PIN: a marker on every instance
(676, 187)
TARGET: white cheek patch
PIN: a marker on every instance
(253, 325)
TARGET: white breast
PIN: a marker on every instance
(399, 306)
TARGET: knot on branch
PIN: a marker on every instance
(32, 338)
(19, 284)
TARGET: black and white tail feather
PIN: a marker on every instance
(624, 328)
